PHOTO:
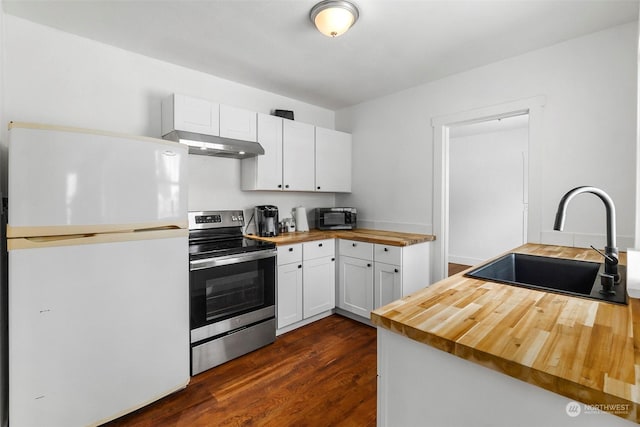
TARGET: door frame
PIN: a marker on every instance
(534, 107)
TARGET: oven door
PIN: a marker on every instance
(231, 292)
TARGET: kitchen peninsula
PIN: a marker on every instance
(580, 350)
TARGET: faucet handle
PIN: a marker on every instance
(607, 281)
(613, 260)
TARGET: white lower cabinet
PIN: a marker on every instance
(319, 286)
(355, 285)
(387, 284)
(306, 281)
(289, 294)
(373, 275)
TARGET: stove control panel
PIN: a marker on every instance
(215, 219)
(208, 219)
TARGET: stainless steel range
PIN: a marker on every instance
(232, 283)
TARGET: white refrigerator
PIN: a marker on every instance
(97, 237)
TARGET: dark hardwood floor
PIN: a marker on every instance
(323, 374)
(456, 268)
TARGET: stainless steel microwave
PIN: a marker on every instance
(336, 218)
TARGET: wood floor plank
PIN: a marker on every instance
(323, 374)
(456, 268)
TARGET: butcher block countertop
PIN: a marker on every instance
(391, 238)
(583, 349)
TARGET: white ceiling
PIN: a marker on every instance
(272, 44)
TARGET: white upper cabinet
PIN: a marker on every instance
(238, 123)
(298, 146)
(333, 160)
(265, 172)
(180, 112)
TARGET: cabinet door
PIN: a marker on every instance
(355, 286)
(298, 156)
(265, 172)
(289, 304)
(193, 115)
(319, 286)
(387, 284)
(238, 123)
(333, 160)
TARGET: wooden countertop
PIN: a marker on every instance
(391, 238)
(583, 349)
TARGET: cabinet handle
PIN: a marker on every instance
(318, 187)
(368, 265)
(386, 249)
(320, 245)
(353, 244)
(286, 186)
(299, 265)
(333, 259)
(395, 270)
(279, 185)
(290, 249)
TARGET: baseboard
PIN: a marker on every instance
(303, 322)
(355, 317)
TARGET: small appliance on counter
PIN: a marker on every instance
(266, 220)
(336, 218)
(300, 215)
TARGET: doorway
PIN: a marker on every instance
(442, 126)
(488, 189)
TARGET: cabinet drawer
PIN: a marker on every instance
(387, 254)
(289, 253)
(318, 249)
(356, 249)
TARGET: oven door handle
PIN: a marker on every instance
(200, 264)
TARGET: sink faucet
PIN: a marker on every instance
(610, 255)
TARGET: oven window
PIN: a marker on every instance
(227, 291)
(234, 293)
(334, 218)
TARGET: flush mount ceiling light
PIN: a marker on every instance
(333, 18)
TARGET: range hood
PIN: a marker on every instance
(208, 145)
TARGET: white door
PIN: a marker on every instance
(333, 160)
(356, 286)
(319, 284)
(298, 156)
(289, 294)
(238, 123)
(387, 284)
(191, 114)
(268, 167)
(61, 178)
(488, 190)
(96, 330)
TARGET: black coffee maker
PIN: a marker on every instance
(266, 220)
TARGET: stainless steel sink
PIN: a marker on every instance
(565, 276)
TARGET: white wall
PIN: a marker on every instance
(59, 78)
(486, 197)
(589, 133)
